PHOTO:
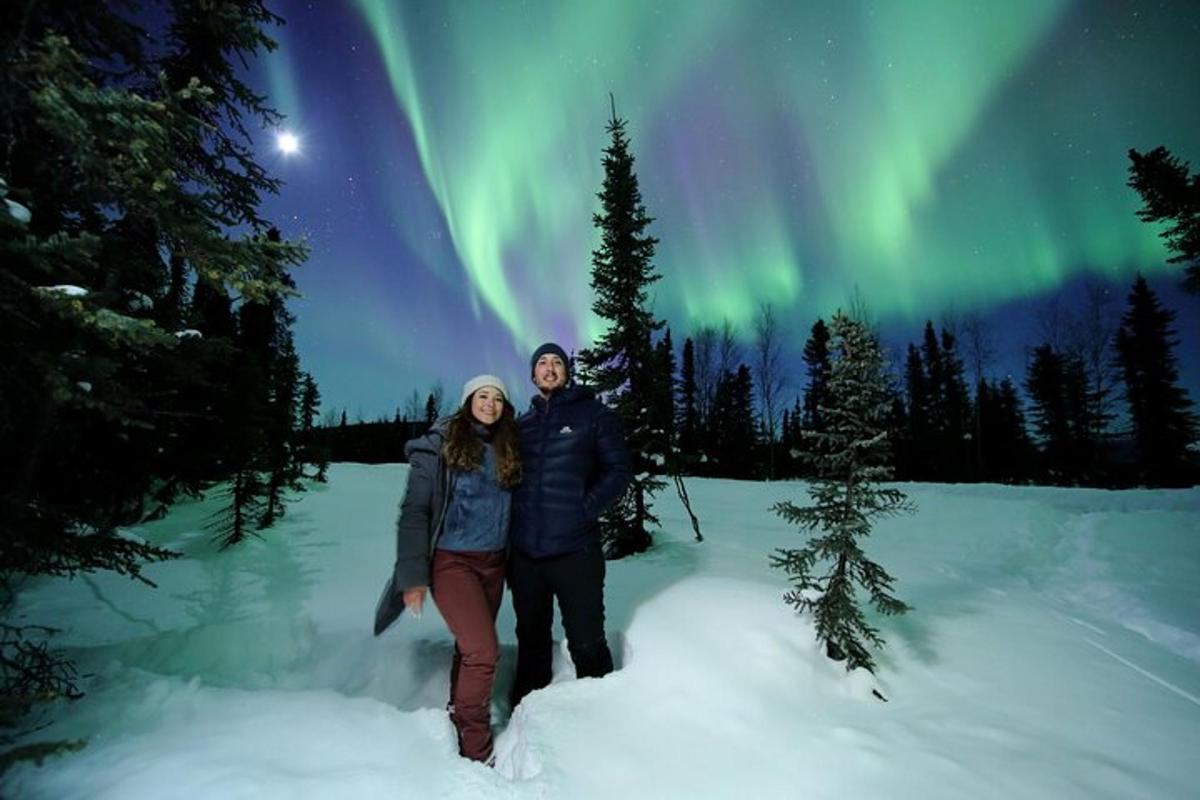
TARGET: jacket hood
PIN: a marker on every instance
(430, 442)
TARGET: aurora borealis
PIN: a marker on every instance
(940, 157)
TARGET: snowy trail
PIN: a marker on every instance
(1163, 683)
(1051, 654)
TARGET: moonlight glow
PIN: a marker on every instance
(288, 143)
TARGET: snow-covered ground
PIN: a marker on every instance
(1054, 652)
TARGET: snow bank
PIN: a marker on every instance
(1054, 651)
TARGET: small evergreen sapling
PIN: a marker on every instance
(850, 456)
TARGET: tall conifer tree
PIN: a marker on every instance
(122, 151)
(1057, 389)
(918, 447)
(310, 403)
(956, 411)
(619, 365)
(663, 426)
(1159, 408)
(935, 401)
(689, 422)
(816, 358)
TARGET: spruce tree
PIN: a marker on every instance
(245, 419)
(936, 423)
(721, 429)
(243, 508)
(1171, 194)
(310, 403)
(794, 441)
(666, 455)
(734, 434)
(315, 449)
(785, 438)
(918, 440)
(956, 412)
(982, 410)
(1159, 408)
(103, 391)
(672, 411)
(897, 428)
(816, 360)
(744, 435)
(619, 365)
(209, 43)
(851, 457)
(1009, 452)
(688, 423)
(1057, 389)
(433, 403)
(281, 465)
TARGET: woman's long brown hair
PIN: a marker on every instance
(464, 451)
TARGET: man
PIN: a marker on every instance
(574, 464)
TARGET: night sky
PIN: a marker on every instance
(942, 156)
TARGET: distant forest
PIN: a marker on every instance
(1099, 405)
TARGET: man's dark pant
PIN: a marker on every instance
(577, 580)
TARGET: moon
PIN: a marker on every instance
(288, 143)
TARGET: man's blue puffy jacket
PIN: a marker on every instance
(574, 463)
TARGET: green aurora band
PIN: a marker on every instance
(932, 155)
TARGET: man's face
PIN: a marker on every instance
(549, 373)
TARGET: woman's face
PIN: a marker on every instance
(487, 404)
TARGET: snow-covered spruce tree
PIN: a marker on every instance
(850, 458)
(125, 190)
(620, 364)
(280, 366)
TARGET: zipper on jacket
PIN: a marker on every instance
(447, 483)
(537, 516)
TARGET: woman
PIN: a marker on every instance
(452, 538)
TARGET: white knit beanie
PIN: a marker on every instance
(477, 383)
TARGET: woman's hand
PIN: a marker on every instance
(414, 598)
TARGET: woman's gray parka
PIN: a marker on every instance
(422, 513)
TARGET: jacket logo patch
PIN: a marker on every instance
(566, 429)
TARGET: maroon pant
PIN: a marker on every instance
(467, 587)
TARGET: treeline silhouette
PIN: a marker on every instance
(1099, 409)
(366, 442)
(1099, 406)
